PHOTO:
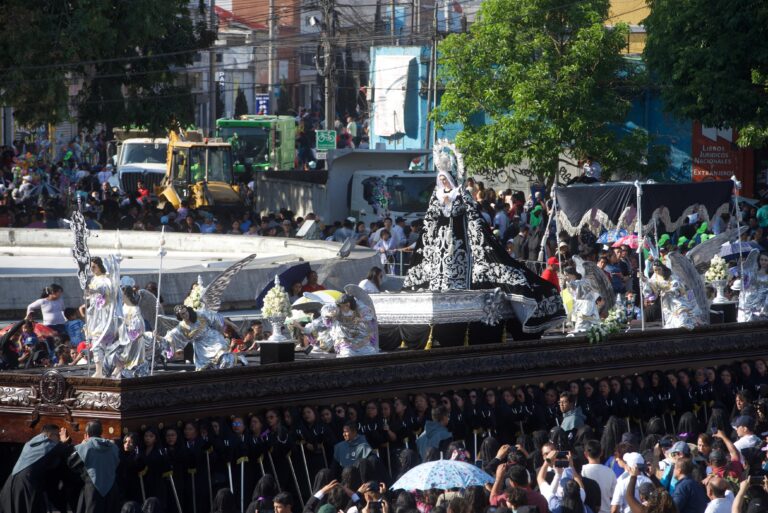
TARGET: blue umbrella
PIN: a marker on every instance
(732, 250)
(442, 475)
(287, 278)
(611, 236)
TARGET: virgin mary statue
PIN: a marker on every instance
(457, 251)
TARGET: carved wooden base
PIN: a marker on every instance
(27, 400)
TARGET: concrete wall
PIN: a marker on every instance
(18, 289)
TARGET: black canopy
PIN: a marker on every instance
(614, 205)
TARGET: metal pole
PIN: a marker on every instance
(736, 188)
(143, 489)
(428, 127)
(295, 480)
(329, 18)
(434, 75)
(229, 473)
(306, 468)
(192, 473)
(242, 485)
(212, 96)
(392, 23)
(274, 470)
(157, 301)
(210, 485)
(175, 493)
(639, 222)
(271, 57)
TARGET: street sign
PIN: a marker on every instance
(262, 103)
(325, 140)
(321, 155)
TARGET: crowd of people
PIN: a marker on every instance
(680, 440)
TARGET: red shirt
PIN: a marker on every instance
(312, 288)
(550, 275)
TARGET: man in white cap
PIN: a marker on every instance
(627, 461)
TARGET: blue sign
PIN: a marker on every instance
(262, 103)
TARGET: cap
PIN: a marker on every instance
(744, 421)
(351, 219)
(552, 260)
(633, 459)
(562, 243)
(682, 448)
(666, 442)
(736, 285)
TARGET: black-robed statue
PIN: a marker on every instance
(457, 251)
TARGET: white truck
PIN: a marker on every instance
(139, 158)
(357, 184)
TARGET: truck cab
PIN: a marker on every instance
(202, 174)
(140, 158)
(261, 142)
(401, 193)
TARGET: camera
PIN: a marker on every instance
(642, 467)
(562, 464)
(561, 455)
(375, 507)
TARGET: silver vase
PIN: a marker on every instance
(720, 288)
(277, 323)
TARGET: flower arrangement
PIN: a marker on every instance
(718, 270)
(276, 302)
(613, 323)
(194, 299)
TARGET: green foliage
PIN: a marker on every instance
(710, 58)
(241, 104)
(121, 51)
(552, 80)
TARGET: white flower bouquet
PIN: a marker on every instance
(194, 299)
(276, 302)
(615, 322)
(718, 270)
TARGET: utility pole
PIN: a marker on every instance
(328, 39)
(271, 58)
(416, 14)
(392, 22)
(212, 96)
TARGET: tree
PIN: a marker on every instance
(550, 79)
(123, 53)
(241, 104)
(710, 59)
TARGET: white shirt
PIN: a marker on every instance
(53, 311)
(720, 505)
(606, 478)
(368, 286)
(747, 442)
(620, 491)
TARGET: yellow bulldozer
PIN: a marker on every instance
(200, 172)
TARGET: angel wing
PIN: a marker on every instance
(148, 307)
(211, 297)
(686, 272)
(702, 254)
(597, 280)
(363, 298)
(750, 268)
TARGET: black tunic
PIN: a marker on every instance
(25, 490)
